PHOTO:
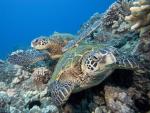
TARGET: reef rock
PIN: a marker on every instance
(118, 100)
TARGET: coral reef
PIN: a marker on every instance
(143, 49)
(4, 102)
(41, 76)
(26, 58)
(114, 11)
(24, 76)
(113, 18)
(113, 23)
(140, 16)
(118, 101)
(9, 71)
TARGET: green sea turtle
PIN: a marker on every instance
(85, 66)
(52, 45)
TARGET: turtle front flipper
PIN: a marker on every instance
(128, 62)
(60, 91)
(123, 60)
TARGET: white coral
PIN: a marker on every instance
(140, 15)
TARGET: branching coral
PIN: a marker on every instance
(140, 16)
(20, 75)
(25, 58)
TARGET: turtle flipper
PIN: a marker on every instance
(128, 62)
(123, 60)
(60, 91)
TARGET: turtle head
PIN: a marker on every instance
(40, 43)
(98, 61)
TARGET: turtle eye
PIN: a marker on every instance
(96, 56)
(36, 40)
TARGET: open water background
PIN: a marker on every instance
(23, 20)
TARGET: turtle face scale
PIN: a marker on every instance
(97, 62)
(40, 43)
(96, 67)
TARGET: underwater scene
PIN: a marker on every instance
(76, 56)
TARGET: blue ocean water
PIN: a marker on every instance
(23, 20)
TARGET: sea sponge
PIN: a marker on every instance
(26, 58)
(140, 16)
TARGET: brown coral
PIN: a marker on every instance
(116, 10)
(140, 16)
(114, 18)
(41, 76)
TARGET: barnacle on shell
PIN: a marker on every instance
(25, 58)
(140, 16)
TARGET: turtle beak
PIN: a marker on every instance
(103, 59)
(33, 43)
